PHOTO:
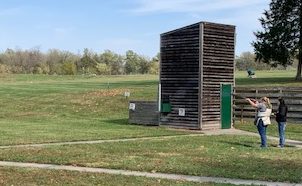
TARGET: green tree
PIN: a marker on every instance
(62, 62)
(54, 60)
(144, 65)
(88, 62)
(280, 42)
(113, 61)
(103, 69)
(69, 68)
(132, 62)
(246, 60)
(135, 63)
(154, 64)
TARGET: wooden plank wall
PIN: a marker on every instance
(217, 67)
(145, 113)
(179, 76)
(291, 95)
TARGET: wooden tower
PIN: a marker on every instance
(195, 61)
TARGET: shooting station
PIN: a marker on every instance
(196, 77)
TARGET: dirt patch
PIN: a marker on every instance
(24, 114)
(107, 93)
(90, 98)
(162, 154)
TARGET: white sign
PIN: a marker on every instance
(182, 112)
(127, 94)
(132, 106)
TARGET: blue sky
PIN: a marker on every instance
(118, 25)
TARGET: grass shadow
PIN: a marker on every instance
(243, 144)
(124, 121)
(121, 121)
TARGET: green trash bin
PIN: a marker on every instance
(165, 107)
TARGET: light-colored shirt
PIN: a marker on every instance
(261, 107)
(264, 113)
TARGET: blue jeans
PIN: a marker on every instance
(281, 127)
(262, 132)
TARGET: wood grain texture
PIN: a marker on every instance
(195, 60)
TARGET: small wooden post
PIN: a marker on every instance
(241, 119)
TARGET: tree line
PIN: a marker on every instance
(59, 62)
(246, 60)
(55, 61)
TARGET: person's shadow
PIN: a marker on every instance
(245, 144)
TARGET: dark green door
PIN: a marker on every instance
(226, 106)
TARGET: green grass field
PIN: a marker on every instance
(39, 109)
(274, 78)
(55, 177)
(227, 156)
(293, 130)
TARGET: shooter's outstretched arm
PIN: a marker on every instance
(252, 102)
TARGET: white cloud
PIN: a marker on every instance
(191, 6)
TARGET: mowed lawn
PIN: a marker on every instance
(218, 156)
(57, 177)
(292, 131)
(39, 109)
(273, 78)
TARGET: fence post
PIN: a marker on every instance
(241, 119)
